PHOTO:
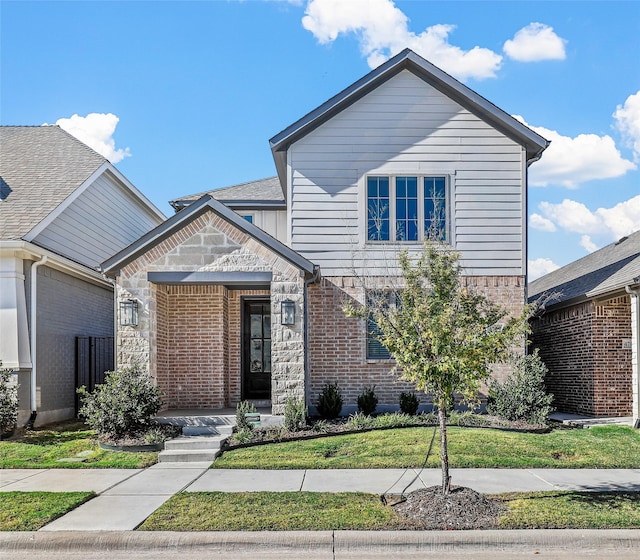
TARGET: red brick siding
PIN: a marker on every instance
(337, 344)
(198, 356)
(589, 372)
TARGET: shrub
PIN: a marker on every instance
(367, 401)
(295, 414)
(242, 409)
(523, 395)
(330, 401)
(409, 403)
(8, 401)
(123, 406)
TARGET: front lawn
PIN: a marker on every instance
(600, 447)
(28, 511)
(280, 511)
(66, 445)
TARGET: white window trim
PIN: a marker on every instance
(392, 207)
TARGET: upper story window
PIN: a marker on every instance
(406, 208)
(248, 217)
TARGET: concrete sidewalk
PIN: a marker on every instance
(126, 497)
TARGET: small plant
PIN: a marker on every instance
(360, 421)
(330, 401)
(295, 414)
(523, 396)
(123, 406)
(242, 409)
(367, 401)
(243, 436)
(409, 403)
(8, 401)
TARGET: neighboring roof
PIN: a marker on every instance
(264, 192)
(186, 216)
(604, 271)
(40, 166)
(449, 86)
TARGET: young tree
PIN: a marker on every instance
(443, 336)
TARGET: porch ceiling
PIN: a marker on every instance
(244, 280)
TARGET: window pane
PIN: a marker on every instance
(378, 208)
(266, 326)
(256, 325)
(435, 208)
(375, 350)
(256, 356)
(406, 209)
(267, 356)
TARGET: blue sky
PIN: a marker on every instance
(184, 96)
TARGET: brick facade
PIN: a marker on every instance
(189, 335)
(337, 344)
(582, 345)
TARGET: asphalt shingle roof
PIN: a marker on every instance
(40, 166)
(261, 190)
(600, 272)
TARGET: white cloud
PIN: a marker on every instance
(536, 221)
(588, 244)
(535, 42)
(382, 30)
(628, 121)
(540, 267)
(614, 223)
(570, 161)
(96, 131)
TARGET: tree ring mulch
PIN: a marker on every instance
(463, 508)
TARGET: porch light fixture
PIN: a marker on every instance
(288, 309)
(129, 313)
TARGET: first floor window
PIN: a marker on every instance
(375, 349)
(406, 208)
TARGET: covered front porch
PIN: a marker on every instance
(220, 313)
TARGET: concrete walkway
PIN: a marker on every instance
(127, 497)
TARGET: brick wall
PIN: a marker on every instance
(589, 371)
(337, 344)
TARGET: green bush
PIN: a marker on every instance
(8, 401)
(523, 395)
(295, 414)
(123, 406)
(330, 401)
(367, 401)
(242, 409)
(409, 403)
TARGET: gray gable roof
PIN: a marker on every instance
(449, 86)
(40, 166)
(176, 222)
(261, 193)
(604, 271)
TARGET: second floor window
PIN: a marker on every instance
(406, 208)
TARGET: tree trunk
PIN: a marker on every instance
(444, 455)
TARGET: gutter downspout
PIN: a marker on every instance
(34, 370)
(635, 293)
(307, 358)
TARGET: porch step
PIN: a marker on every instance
(194, 443)
(187, 455)
(200, 420)
(218, 430)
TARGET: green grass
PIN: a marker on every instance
(572, 510)
(43, 447)
(28, 511)
(280, 511)
(271, 511)
(601, 447)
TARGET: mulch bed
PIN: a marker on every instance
(463, 508)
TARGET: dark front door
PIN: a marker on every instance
(256, 343)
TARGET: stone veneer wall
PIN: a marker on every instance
(589, 371)
(337, 344)
(209, 244)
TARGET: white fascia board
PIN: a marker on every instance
(26, 250)
(38, 229)
(136, 193)
(105, 167)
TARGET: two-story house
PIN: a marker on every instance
(240, 294)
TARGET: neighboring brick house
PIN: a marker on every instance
(63, 209)
(358, 178)
(587, 331)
